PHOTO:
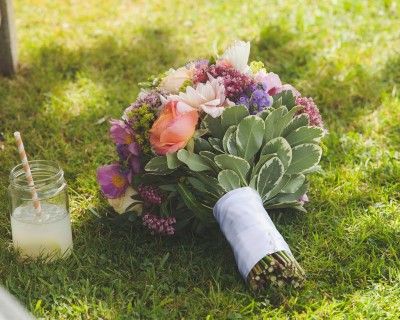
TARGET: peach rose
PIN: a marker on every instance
(175, 79)
(172, 130)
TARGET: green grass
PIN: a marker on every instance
(80, 62)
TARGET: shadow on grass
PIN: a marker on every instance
(67, 96)
(105, 255)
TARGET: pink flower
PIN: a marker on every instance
(175, 79)
(274, 83)
(208, 97)
(172, 130)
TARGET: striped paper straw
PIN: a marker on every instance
(28, 173)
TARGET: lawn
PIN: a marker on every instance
(79, 65)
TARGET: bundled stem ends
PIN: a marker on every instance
(277, 268)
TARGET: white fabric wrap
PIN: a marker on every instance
(248, 228)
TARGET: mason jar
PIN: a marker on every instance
(40, 226)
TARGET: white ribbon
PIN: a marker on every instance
(248, 228)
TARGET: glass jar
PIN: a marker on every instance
(45, 233)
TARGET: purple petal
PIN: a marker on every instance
(113, 183)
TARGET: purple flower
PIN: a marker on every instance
(134, 163)
(273, 83)
(113, 181)
(244, 99)
(256, 99)
(260, 98)
(198, 64)
(121, 133)
(159, 225)
(303, 198)
(126, 156)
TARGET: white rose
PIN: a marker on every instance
(238, 56)
(122, 203)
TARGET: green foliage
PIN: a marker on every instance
(79, 65)
(233, 116)
(284, 98)
(269, 177)
(229, 180)
(193, 161)
(249, 137)
(266, 153)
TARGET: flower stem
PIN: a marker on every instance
(277, 269)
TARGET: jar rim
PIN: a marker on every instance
(17, 174)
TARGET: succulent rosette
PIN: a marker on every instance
(218, 141)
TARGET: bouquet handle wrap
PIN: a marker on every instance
(248, 228)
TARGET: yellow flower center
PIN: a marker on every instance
(129, 139)
(118, 181)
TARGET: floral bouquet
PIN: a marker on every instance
(218, 141)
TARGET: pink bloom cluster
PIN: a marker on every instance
(234, 81)
(159, 225)
(311, 109)
(151, 194)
